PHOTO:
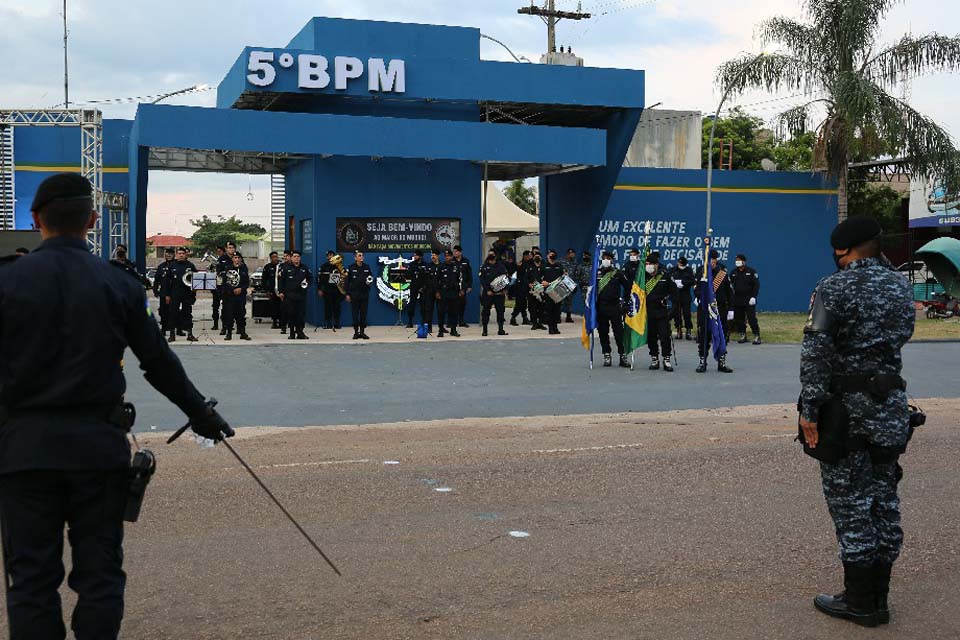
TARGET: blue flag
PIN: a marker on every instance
(708, 302)
(590, 300)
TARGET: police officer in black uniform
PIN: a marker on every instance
(236, 281)
(64, 456)
(684, 279)
(532, 276)
(632, 264)
(489, 271)
(466, 273)
(452, 289)
(416, 286)
(745, 283)
(220, 263)
(268, 281)
(160, 289)
(294, 283)
(182, 297)
(612, 286)
(660, 293)
(359, 280)
(328, 288)
(282, 270)
(521, 291)
(224, 262)
(722, 294)
(430, 274)
(551, 310)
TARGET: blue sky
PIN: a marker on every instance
(124, 48)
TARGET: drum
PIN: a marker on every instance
(537, 290)
(500, 283)
(561, 288)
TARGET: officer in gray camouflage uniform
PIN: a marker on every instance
(860, 317)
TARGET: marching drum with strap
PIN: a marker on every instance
(537, 290)
(561, 288)
(500, 283)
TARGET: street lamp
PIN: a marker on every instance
(713, 128)
(196, 87)
(520, 59)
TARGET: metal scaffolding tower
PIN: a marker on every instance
(7, 175)
(119, 207)
(278, 209)
(90, 122)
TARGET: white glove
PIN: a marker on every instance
(729, 315)
(753, 302)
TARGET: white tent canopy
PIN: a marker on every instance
(505, 217)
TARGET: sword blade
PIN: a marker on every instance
(281, 507)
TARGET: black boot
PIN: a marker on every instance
(569, 318)
(526, 320)
(756, 340)
(625, 361)
(501, 332)
(244, 336)
(216, 325)
(283, 330)
(513, 321)
(293, 335)
(173, 337)
(181, 332)
(228, 336)
(302, 336)
(607, 360)
(858, 602)
(484, 331)
(722, 365)
(667, 365)
(702, 368)
(441, 332)
(454, 332)
(223, 331)
(363, 333)
(356, 333)
(743, 339)
(654, 363)
(191, 337)
(882, 585)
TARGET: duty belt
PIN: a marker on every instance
(879, 384)
(121, 415)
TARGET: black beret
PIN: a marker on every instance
(608, 254)
(740, 256)
(653, 258)
(854, 231)
(714, 255)
(418, 252)
(62, 186)
(448, 252)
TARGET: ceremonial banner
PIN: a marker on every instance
(635, 324)
(708, 301)
(397, 235)
(590, 313)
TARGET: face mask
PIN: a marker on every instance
(739, 263)
(606, 263)
(634, 258)
(837, 258)
(681, 266)
(651, 269)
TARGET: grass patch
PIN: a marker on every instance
(785, 328)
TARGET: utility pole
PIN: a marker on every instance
(66, 83)
(549, 14)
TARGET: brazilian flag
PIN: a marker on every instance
(635, 324)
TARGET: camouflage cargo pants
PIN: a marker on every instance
(863, 502)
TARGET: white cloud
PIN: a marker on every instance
(121, 48)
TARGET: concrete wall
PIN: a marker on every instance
(667, 139)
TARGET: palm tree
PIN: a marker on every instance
(835, 62)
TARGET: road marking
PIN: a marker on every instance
(519, 534)
(443, 489)
(579, 449)
(391, 462)
(321, 463)
(780, 435)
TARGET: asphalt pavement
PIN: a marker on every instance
(685, 525)
(301, 384)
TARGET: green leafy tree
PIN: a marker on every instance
(215, 233)
(751, 141)
(834, 59)
(521, 195)
(795, 153)
(878, 201)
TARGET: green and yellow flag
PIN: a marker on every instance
(635, 324)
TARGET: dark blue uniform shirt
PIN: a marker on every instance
(66, 318)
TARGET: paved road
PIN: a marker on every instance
(679, 526)
(296, 385)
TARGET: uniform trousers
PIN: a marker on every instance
(276, 308)
(743, 314)
(332, 308)
(448, 309)
(218, 313)
(412, 303)
(681, 312)
(358, 310)
(704, 337)
(519, 306)
(34, 507)
(551, 312)
(235, 313)
(181, 313)
(535, 306)
(610, 318)
(496, 301)
(658, 336)
(428, 300)
(862, 499)
(296, 309)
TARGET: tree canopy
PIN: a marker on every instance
(847, 79)
(521, 195)
(753, 141)
(215, 233)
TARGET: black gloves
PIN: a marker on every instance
(211, 425)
